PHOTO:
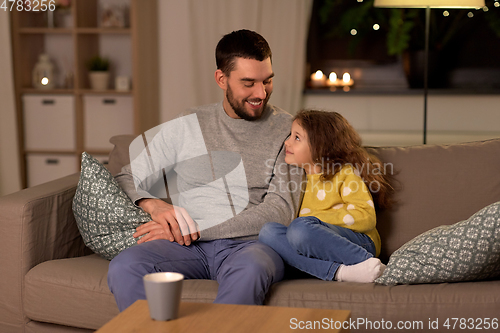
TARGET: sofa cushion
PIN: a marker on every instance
(374, 302)
(468, 250)
(105, 215)
(75, 292)
(72, 292)
(436, 185)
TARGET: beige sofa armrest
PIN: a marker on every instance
(36, 225)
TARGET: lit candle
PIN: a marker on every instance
(346, 80)
(318, 80)
(332, 80)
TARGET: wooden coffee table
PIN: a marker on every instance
(209, 317)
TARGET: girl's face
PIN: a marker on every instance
(298, 151)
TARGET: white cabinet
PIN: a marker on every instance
(104, 117)
(71, 118)
(49, 122)
(46, 167)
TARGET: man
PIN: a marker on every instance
(241, 141)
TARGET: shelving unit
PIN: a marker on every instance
(133, 52)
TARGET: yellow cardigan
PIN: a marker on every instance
(344, 201)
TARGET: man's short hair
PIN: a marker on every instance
(243, 44)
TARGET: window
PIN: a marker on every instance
(383, 47)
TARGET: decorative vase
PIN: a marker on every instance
(43, 73)
(99, 80)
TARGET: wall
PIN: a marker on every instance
(188, 34)
(10, 180)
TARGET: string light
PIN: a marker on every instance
(446, 13)
(354, 32)
(485, 9)
(376, 27)
(497, 4)
(470, 15)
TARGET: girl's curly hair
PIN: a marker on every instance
(334, 143)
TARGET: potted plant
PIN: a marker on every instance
(98, 73)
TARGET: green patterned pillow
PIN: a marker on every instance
(105, 215)
(465, 251)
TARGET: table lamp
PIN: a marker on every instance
(428, 4)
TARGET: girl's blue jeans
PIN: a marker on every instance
(316, 247)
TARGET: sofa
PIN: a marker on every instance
(51, 282)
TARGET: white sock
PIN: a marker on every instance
(364, 272)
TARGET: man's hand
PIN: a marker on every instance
(169, 222)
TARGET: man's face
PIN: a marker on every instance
(248, 88)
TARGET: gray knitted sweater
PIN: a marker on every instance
(229, 174)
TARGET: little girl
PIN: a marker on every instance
(334, 237)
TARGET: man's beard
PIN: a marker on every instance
(239, 107)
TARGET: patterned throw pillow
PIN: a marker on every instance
(465, 251)
(105, 215)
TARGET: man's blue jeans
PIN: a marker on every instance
(244, 269)
(316, 247)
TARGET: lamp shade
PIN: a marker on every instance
(429, 3)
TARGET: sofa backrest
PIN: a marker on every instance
(119, 156)
(435, 185)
